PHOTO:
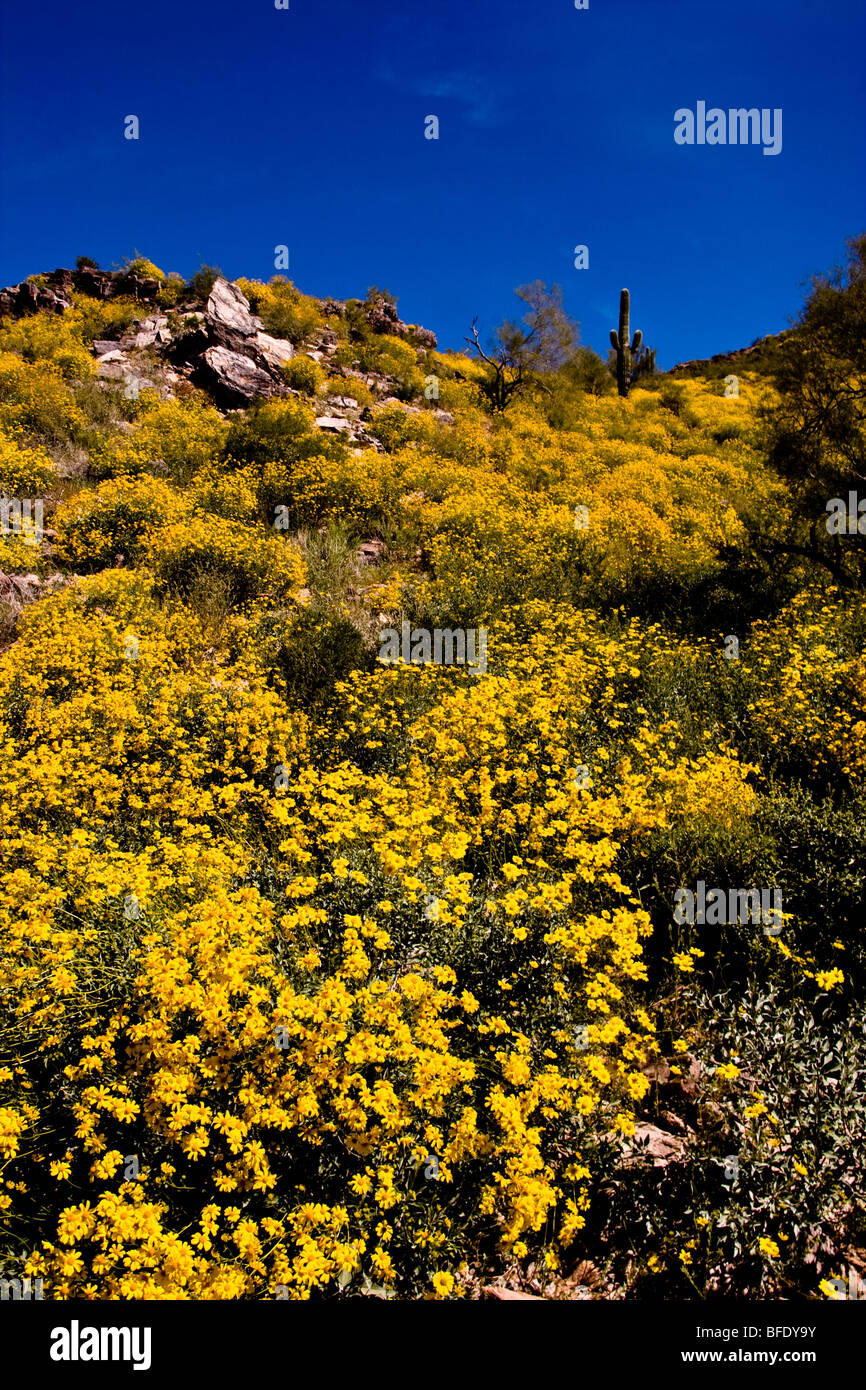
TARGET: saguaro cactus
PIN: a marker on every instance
(621, 347)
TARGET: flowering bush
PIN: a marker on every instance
(181, 436)
(304, 374)
(24, 472)
(36, 405)
(145, 268)
(95, 528)
(284, 310)
(254, 563)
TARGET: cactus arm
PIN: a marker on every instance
(636, 341)
(614, 338)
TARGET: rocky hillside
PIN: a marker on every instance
(215, 342)
(760, 356)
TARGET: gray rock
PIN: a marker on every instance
(27, 298)
(335, 423)
(276, 352)
(228, 309)
(234, 379)
(372, 551)
(113, 371)
(661, 1146)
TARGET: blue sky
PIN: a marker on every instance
(305, 127)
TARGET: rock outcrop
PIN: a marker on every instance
(218, 345)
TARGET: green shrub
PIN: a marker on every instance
(320, 649)
(204, 280)
(698, 1223)
(94, 527)
(304, 374)
(278, 432)
(171, 291)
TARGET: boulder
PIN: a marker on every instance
(422, 337)
(371, 552)
(152, 330)
(99, 284)
(18, 589)
(28, 298)
(335, 423)
(234, 379)
(136, 286)
(228, 313)
(661, 1146)
(275, 352)
(369, 441)
(382, 316)
(61, 279)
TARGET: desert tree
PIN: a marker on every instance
(520, 353)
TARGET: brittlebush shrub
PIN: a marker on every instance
(233, 496)
(117, 518)
(393, 358)
(25, 472)
(303, 930)
(318, 488)
(278, 432)
(252, 562)
(285, 312)
(101, 318)
(53, 338)
(145, 268)
(179, 436)
(36, 404)
(304, 374)
(350, 386)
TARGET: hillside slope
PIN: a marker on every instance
(339, 960)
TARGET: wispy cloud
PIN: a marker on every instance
(474, 90)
